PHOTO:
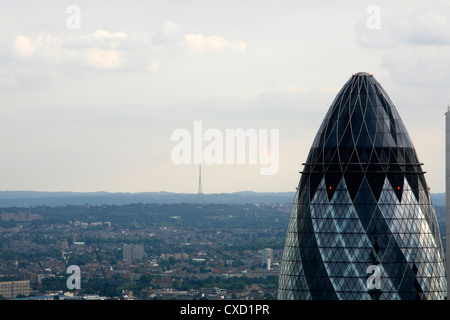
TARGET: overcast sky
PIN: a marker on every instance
(91, 91)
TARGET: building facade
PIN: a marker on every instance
(362, 224)
(20, 216)
(12, 289)
(266, 257)
(133, 252)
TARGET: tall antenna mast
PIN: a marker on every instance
(200, 190)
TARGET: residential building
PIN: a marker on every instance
(12, 289)
(133, 252)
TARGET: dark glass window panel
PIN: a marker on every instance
(314, 181)
(353, 181)
(413, 182)
(376, 182)
(331, 181)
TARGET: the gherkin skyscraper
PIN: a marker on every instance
(362, 224)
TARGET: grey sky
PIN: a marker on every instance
(94, 108)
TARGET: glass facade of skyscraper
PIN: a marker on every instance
(362, 225)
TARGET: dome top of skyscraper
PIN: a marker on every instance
(362, 202)
(363, 74)
(362, 131)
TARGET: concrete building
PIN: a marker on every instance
(20, 216)
(133, 252)
(12, 289)
(266, 257)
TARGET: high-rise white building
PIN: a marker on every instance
(266, 257)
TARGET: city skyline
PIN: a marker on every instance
(92, 92)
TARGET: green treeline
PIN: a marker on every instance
(184, 214)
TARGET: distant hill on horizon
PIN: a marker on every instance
(47, 198)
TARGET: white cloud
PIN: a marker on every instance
(44, 48)
(24, 46)
(102, 33)
(414, 27)
(155, 66)
(412, 43)
(430, 29)
(99, 49)
(104, 59)
(107, 39)
(201, 43)
(425, 65)
(103, 49)
(415, 23)
(170, 29)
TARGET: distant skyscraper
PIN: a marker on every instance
(362, 225)
(447, 193)
(266, 257)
